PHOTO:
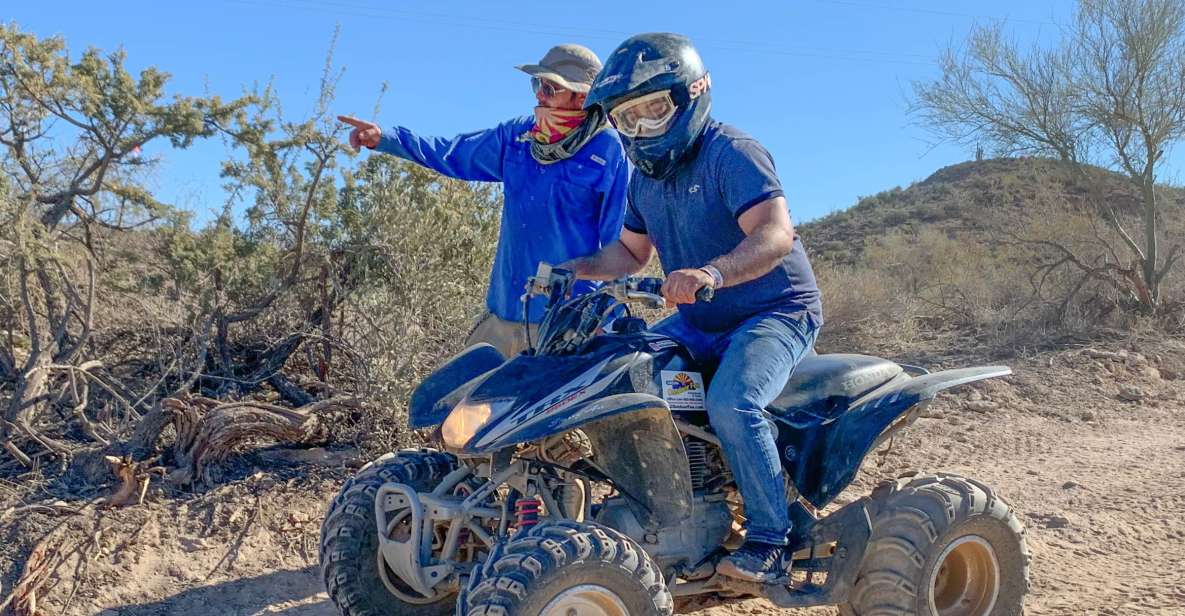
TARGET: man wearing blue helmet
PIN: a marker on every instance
(708, 199)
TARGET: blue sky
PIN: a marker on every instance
(822, 83)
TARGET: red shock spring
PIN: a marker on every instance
(526, 512)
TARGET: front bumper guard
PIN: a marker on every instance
(410, 559)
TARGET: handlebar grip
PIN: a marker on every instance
(705, 294)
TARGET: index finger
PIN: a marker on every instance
(355, 122)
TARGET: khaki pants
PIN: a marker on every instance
(508, 337)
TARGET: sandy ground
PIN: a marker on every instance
(1088, 447)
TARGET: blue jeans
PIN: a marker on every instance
(755, 361)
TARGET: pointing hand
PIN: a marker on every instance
(364, 133)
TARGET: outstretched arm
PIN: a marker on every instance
(475, 156)
(629, 254)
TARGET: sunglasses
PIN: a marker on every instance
(548, 88)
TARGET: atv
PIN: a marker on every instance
(582, 478)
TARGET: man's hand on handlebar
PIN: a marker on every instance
(681, 286)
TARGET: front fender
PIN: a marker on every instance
(830, 454)
(425, 409)
(563, 420)
(642, 453)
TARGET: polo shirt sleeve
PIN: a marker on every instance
(613, 200)
(746, 176)
(633, 218)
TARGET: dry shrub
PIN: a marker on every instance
(864, 310)
(429, 243)
(907, 284)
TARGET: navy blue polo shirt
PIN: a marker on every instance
(691, 218)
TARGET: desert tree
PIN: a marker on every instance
(72, 171)
(1110, 94)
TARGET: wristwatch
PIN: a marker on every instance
(717, 277)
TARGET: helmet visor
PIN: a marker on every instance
(645, 116)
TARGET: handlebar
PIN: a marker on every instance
(570, 322)
(557, 283)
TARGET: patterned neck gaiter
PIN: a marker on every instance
(552, 125)
(565, 148)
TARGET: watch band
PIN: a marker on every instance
(717, 277)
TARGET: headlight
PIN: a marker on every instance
(463, 422)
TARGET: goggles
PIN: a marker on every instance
(645, 116)
(548, 88)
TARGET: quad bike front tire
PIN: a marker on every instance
(941, 545)
(565, 567)
(355, 574)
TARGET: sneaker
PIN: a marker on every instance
(756, 562)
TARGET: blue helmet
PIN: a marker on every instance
(648, 64)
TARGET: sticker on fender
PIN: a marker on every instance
(683, 391)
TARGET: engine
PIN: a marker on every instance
(679, 548)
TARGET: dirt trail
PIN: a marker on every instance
(1088, 448)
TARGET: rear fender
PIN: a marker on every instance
(830, 455)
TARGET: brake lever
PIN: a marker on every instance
(705, 294)
(652, 300)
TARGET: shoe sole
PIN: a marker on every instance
(728, 569)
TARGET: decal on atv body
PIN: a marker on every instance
(683, 390)
(577, 390)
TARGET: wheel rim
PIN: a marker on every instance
(586, 600)
(966, 580)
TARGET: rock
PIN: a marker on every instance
(1131, 393)
(982, 406)
(1056, 521)
(192, 545)
(1032, 472)
(1107, 355)
(1070, 485)
(975, 396)
(1150, 373)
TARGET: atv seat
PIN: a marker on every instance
(822, 386)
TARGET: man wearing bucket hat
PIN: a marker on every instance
(564, 176)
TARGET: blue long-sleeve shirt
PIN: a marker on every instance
(551, 213)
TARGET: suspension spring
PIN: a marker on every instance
(526, 512)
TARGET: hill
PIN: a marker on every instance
(955, 199)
